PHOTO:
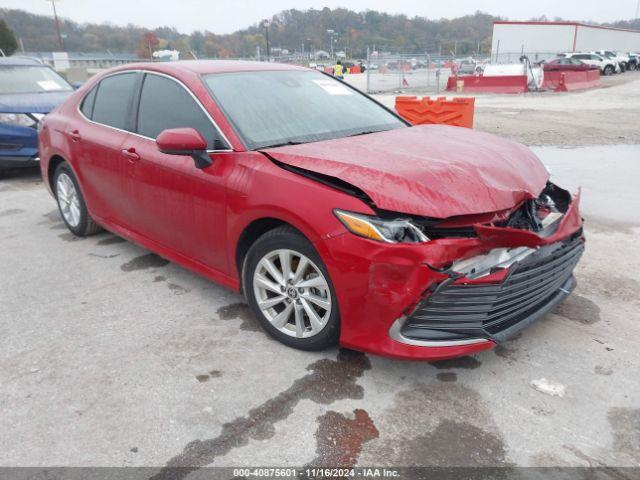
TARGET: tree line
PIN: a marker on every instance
(293, 30)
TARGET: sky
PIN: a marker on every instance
(220, 16)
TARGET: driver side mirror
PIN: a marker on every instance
(185, 141)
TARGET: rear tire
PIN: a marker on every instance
(71, 204)
(299, 306)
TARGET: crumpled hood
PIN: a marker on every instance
(430, 170)
(31, 102)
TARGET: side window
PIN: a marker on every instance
(111, 104)
(87, 104)
(166, 104)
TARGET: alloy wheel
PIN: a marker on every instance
(292, 293)
(68, 199)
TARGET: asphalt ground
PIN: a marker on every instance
(111, 356)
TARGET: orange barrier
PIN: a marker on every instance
(328, 70)
(420, 111)
(569, 81)
(480, 83)
(355, 69)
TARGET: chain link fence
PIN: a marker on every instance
(406, 73)
(499, 57)
(425, 73)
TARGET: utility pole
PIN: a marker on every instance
(266, 29)
(55, 16)
(637, 10)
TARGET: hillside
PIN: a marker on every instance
(290, 29)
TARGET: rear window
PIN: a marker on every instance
(111, 106)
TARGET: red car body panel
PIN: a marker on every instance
(554, 65)
(196, 218)
(393, 279)
(432, 170)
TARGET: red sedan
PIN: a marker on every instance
(337, 220)
(568, 64)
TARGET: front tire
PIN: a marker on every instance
(608, 70)
(71, 204)
(290, 292)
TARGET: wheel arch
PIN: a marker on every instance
(252, 232)
(54, 161)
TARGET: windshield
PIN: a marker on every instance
(288, 107)
(31, 79)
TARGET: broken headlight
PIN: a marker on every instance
(382, 230)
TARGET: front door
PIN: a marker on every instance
(175, 204)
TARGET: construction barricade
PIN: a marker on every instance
(566, 81)
(495, 84)
(420, 111)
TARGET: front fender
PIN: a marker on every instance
(259, 189)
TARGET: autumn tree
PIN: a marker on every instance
(149, 43)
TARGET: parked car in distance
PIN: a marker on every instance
(567, 64)
(606, 65)
(338, 221)
(28, 91)
(621, 59)
(633, 60)
(468, 67)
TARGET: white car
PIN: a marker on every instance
(620, 58)
(606, 65)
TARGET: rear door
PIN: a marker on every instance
(174, 203)
(97, 141)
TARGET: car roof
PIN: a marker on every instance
(203, 67)
(15, 61)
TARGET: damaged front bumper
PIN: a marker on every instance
(465, 310)
(452, 296)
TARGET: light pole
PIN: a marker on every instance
(331, 33)
(266, 30)
(55, 15)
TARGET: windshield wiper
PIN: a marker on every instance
(283, 144)
(364, 133)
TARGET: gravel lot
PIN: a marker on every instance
(600, 116)
(113, 357)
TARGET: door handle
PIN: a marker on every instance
(131, 154)
(75, 135)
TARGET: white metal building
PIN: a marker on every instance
(544, 39)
